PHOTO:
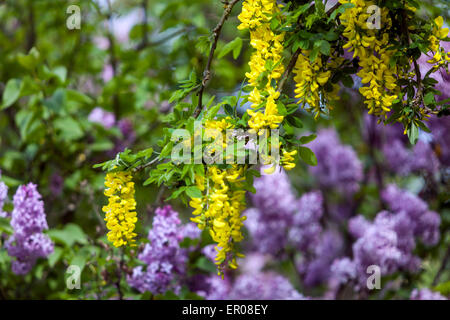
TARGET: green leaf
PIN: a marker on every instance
(235, 46)
(294, 121)
(12, 92)
(324, 47)
(69, 128)
(206, 265)
(307, 156)
(413, 133)
(56, 101)
(307, 139)
(68, 236)
(228, 109)
(429, 99)
(193, 192)
(55, 256)
(30, 60)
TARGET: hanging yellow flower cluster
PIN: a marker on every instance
(219, 210)
(120, 212)
(310, 79)
(370, 45)
(265, 63)
(440, 56)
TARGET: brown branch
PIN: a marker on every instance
(442, 267)
(419, 95)
(113, 60)
(145, 165)
(144, 41)
(207, 73)
(31, 35)
(288, 70)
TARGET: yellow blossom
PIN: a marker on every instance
(120, 214)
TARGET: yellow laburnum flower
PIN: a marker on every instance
(268, 46)
(287, 159)
(310, 78)
(370, 46)
(219, 211)
(120, 214)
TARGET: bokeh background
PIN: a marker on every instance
(82, 95)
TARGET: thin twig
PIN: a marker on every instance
(419, 95)
(145, 165)
(144, 41)
(442, 267)
(207, 72)
(288, 70)
(113, 58)
(120, 265)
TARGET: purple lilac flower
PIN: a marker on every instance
(3, 197)
(28, 220)
(56, 184)
(210, 252)
(254, 262)
(378, 246)
(128, 136)
(191, 231)
(389, 241)
(218, 288)
(357, 226)
(316, 270)
(404, 161)
(397, 157)
(423, 158)
(105, 118)
(440, 130)
(164, 258)
(107, 73)
(305, 229)
(338, 165)
(263, 286)
(343, 270)
(255, 286)
(274, 203)
(426, 294)
(441, 76)
(424, 223)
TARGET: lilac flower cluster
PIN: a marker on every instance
(442, 76)
(254, 286)
(440, 130)
(279, 220)
(338, 165)
(426, 294)
(305, 228)
(390, 239)
(274, 204)
(315, 266)
(3, 197)
(429, 153)
(424, 223)
(404, 161)
(103, 117)
(108, 120)
(164, 258)
(28, 220)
